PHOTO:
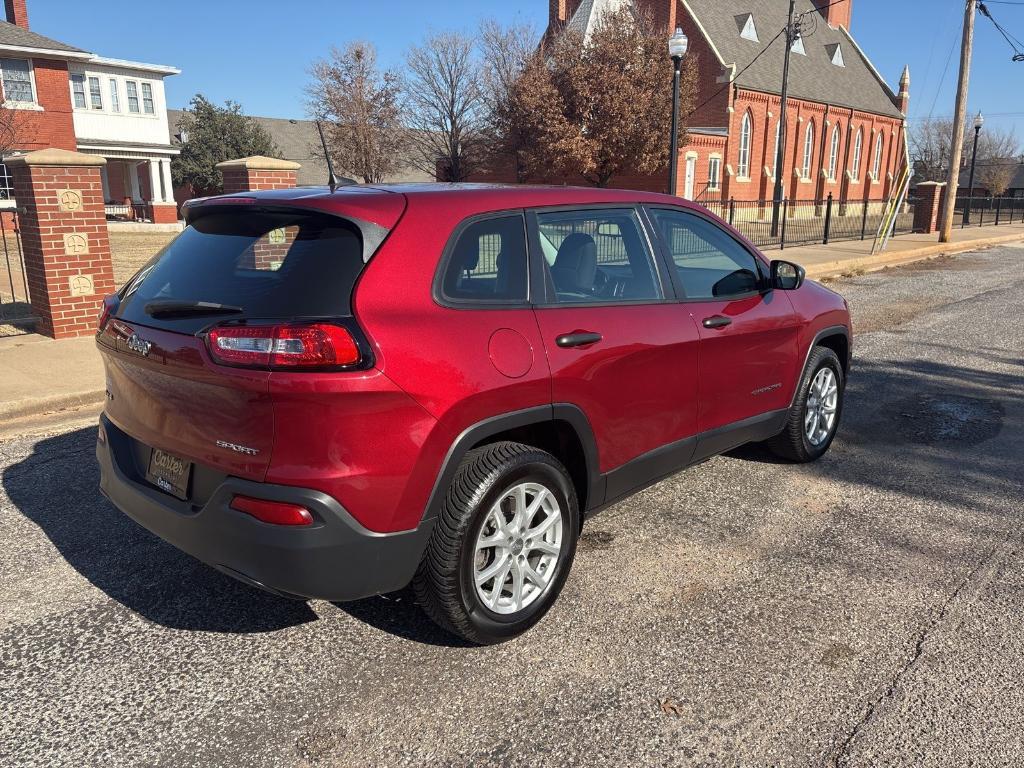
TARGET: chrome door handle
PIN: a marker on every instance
(578, 339)
(717, 321)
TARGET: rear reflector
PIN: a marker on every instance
(283, 346)
(273, 512)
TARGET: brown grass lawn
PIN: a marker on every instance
(130, 250)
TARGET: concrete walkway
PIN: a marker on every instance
(40, 377)
(844, 258)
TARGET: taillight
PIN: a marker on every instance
(318, 345)
(109, 306)
(273, 512)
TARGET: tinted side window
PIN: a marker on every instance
(710, 263)
(488, 262)
(597, 256)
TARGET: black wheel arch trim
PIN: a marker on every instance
(494, 425)
(825, 333)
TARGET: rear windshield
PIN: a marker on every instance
(280, 265)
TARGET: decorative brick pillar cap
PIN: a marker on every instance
(258, 163)
(932, 184)
(59, 158)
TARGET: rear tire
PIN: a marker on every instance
(502, 545)
(814, 416)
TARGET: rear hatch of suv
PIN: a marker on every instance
(190, 342)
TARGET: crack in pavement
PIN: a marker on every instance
(843, 753)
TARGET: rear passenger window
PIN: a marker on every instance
(488, 262)
(710, 263)
(597, 256)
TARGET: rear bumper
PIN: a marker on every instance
(334, 559)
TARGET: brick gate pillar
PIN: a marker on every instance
(64, 238)
(249, 174)
(930, 195)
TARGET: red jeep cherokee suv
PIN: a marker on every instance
(332, 395)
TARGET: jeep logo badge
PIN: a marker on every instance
(139, 345)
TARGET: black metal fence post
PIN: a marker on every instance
(828, 218)
(785, 216)
(981, 215)
(732, 210)
(999, 207)
(864, 221)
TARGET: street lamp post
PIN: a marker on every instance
(677, 47)
(979, 121)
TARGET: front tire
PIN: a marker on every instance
(502, 545)
(814, 416)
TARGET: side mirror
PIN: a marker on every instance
(787, 276)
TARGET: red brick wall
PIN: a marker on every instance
(116, 181)
(54, 125)
(48, 267)
(163, 214)
(246, 179)
(16, 12)
(800, 113)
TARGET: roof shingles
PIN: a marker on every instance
(812, 77)
(19, 37)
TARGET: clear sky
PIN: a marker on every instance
(258, 52)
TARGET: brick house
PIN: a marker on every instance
(844, 128)
(58, 96)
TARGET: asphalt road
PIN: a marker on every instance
(864, 610)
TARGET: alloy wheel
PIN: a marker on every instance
(822, 407)
(518, 548)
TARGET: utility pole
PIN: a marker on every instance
(780, 152)
(960, 115)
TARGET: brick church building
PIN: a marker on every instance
(845, 125)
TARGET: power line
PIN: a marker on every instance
(945, 71)
(1015, 44)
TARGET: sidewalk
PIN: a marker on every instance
(40, 376)
(843, 258)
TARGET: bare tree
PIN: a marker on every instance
(598, 107)
(15, 130)
(930, 142)
(998, 151)
(506, 52)
(445, 107)
(359, 106)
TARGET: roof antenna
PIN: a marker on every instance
(332, 180)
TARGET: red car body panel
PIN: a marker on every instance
(177, 398)
(646, 358)
(747, 367)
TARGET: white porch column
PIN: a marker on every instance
(154, 182)
(133, 182)
(165, 173)
(106, 183)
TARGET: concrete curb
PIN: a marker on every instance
(39, 406)
(898, 258)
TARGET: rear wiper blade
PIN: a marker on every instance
(168, 307)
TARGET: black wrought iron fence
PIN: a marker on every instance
(809, 221)
(16, 314)
(988, 211)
